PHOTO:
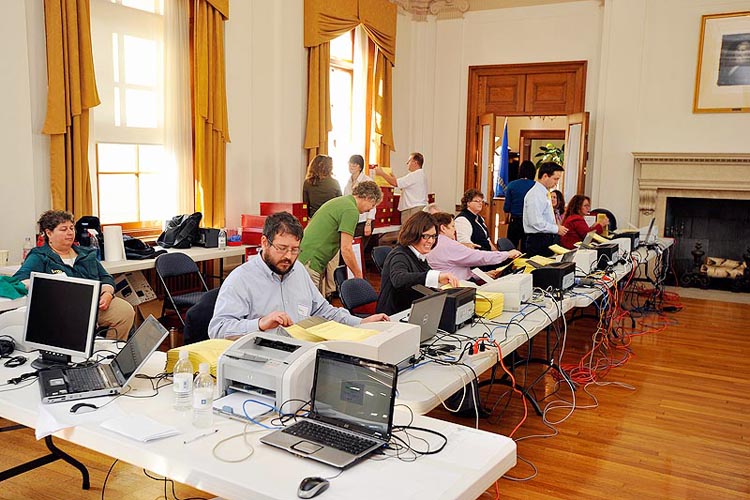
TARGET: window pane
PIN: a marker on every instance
(342, 47)
(151, 158)
(116, 157)
(140, 61)
(141, 108)
(341, 103)
(117, 193)
(158, 197)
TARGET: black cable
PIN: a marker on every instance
(104, 485)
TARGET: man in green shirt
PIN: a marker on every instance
(332, 228)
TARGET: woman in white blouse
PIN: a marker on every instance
(357, 171)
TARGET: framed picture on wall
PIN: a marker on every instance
(722, 82)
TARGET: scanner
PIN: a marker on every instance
(559, 276)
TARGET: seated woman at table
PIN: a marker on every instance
(578, 208)
(451, 256)
(406, 265)
(59, 255)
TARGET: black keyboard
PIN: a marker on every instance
(84, 379)
(330, 437)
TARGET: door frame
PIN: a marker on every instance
(477, 102)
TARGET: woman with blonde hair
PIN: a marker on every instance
(319, 186)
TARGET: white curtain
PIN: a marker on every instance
(178, 134)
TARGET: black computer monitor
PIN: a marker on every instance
(61, 318)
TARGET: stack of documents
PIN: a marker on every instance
(489, 305)
(139, 427)
(207, 351)
(317, 330)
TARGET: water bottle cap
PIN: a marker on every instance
(203, 368)
(184, 355)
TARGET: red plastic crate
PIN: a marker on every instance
(249, 220)
(253, 250)
(251, 235)
(298, 209)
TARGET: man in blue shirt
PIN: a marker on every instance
(539, 222)
(513, 206)
(272, 289)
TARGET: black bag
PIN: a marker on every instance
(136, 249)
(83, 237)
(181, 231)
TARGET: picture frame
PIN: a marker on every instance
(722, 82)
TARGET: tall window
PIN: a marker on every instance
(347, 90)
(134, 183)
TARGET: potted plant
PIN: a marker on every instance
(550, 153)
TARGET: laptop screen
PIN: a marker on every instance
(139, 347)
(354, 393)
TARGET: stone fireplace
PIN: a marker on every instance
(697, 198)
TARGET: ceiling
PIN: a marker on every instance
(420, 9)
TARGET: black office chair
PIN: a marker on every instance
(358, 297)
(198, 317)
(339, 276)
(610, 216)
(170, 267)
(379, 254)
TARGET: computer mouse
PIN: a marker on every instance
(312, 486)
(83, 408)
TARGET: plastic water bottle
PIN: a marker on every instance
(222, 239)
(203, 397)
(182, 383)
(27, 246)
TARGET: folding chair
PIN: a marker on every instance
(177, 265)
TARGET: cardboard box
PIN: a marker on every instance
(134, 288)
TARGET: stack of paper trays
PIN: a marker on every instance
(207, 351)
(489, 305)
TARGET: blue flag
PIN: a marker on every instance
(502, 176)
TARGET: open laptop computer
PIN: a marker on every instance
(351, 413)
(68, 384)
(426, 313)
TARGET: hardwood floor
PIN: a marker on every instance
(681, 432)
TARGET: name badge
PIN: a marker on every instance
(303, 311)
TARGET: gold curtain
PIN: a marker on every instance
(324, 21)
(211, 130)
(71, 93)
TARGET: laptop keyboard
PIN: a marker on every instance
(330, 437)
(84, 379)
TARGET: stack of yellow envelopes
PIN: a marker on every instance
(489, 305)
(207, 351)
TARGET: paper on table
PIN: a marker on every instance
(328, 330)
(231, 405)
(139, 427)
(57, 416)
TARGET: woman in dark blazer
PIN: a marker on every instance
(407, 265)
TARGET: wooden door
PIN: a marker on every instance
(576, 154)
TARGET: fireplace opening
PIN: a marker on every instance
(709, 228)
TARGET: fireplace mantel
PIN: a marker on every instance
(659, 176)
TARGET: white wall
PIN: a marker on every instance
(267, 96)
(431, 92)
(646, 88)
(24, 168)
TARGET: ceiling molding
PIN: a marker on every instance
(420, 9)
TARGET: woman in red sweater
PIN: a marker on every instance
(578, 208)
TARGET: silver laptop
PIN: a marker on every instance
(67, 384)
(569, 256)
(351, 412)
(426, 313)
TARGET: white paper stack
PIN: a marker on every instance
(139, 427)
